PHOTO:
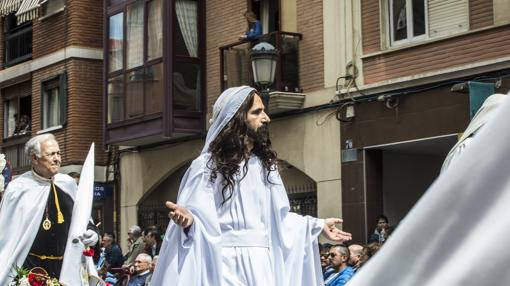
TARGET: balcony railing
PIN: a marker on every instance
(18, 46)
(236, 65)
(15, 153)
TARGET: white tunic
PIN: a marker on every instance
(252, 239)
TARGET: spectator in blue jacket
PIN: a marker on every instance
(339, 256)
(254, 27)
(113, 253)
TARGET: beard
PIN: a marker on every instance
(260, 137)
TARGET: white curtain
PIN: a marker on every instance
(135, 35)
(12, 110)
(51, 111)
(186, 11)
(155, 30)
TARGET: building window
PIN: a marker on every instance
(134, 34)
(186, 76)
(154, 30)
(53, 101)
(135, 86)
(51, 7)
(407, 21)
(18, 40)
(116, 43)
(187, 35)
(17, 110)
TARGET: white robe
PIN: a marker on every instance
(456, 233)
(21, 214)
(252, 239)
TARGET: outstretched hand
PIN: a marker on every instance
(180, 215)
(331, 232)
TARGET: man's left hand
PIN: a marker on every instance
(331, 232)
(89, 238)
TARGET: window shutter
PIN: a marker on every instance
(447, 17)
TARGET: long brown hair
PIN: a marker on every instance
(228, 150)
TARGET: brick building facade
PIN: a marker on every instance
(53, 76)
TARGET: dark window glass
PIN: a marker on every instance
(418, 17)
(186, 83)
(399, 20)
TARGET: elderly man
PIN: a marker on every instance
(232, 224)
(143, 263)
(36, 213)
(137, 245)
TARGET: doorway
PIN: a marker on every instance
(396, 175)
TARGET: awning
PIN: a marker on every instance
(9, 6)
(27, 11)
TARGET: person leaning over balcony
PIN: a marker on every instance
(231, 224)
(36, 214)
(254, 30)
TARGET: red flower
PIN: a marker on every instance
(88, 252)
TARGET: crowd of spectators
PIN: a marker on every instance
(340, 262)
(135, 267)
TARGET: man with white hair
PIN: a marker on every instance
(143, 263)
(232, 224)
(36, 214)
(137, 245)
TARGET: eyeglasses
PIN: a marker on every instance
(331, 254)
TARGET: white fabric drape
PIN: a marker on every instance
(135, 35)
(447, 236)
(186, 11)
(155, 30)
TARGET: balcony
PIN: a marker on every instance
(285, 93)
(13, 148)
(18, 45)
(236, 65)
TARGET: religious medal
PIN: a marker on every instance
(46, 225)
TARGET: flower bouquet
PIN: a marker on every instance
(35, 277)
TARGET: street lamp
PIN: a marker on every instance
(263, 62)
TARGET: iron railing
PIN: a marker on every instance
(153, 214)
(235, 64)
(303, 199)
